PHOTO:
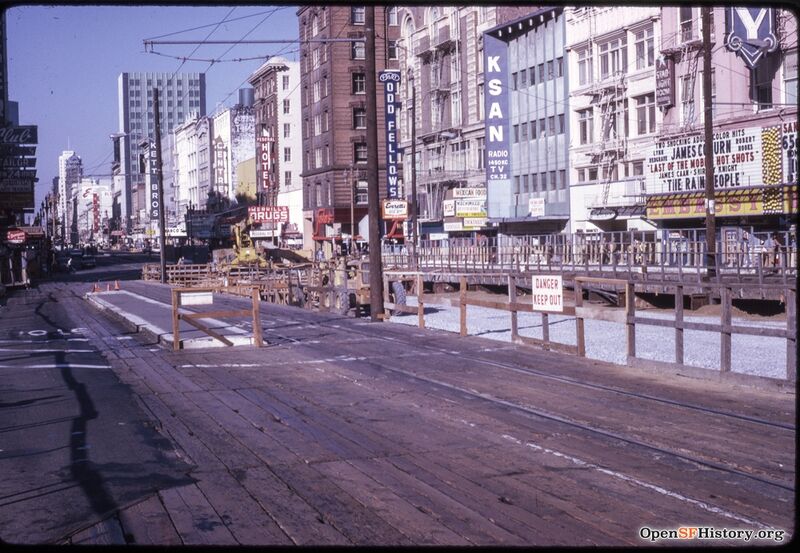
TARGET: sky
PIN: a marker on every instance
(63, 64)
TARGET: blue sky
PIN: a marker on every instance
(64, 62)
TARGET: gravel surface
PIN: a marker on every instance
(754, 355)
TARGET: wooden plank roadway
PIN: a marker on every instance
(346, 432)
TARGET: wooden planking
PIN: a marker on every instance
(194, 517)
(460, 518)
(337, 507)
(420, 527)
(298, 519)
(244, 517)
(106, 532)
(148, 523)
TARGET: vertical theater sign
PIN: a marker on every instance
(750, 32)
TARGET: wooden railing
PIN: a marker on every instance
(627, 317)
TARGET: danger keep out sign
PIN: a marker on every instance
(548, 293)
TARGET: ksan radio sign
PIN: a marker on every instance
(547, 293)
(268, 214)
(498, 160)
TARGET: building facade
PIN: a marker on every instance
(754, 116)
(94, 210)
(612, 84)
(179, 97)
(334, 142)
(232, 142)
(440, 51)
(279, 145)
(527, 58)
(70, 173)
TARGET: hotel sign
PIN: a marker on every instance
(264, 143)
(750, 32)
(391, 83)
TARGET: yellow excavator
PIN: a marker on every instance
(245, 254)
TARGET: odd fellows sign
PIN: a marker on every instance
(498, 161)
(750, 32)
(391, 83)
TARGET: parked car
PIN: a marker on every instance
(88, 261)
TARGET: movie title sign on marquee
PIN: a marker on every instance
(391, 84)
(751, 156)
(268, 214)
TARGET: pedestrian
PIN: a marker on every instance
(745, 259)
(778, 250)
(768, 254)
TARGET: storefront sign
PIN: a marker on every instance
(391, 84)
(449, 208)
(15, 236)
(268, 214)
(498, 159)
(750, 32)
(474, 193)
(473, 223)
(745, 157)
(470, 208)
(394, 209)
(665, 82)
(261, 233)
(759, 201)
(547, 293)
(28, 134)
(153, 204)
(536, 207)
(454, 226)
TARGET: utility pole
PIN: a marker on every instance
(414, 209)
(159, 180)
(352, 182)
(709, 142)
(373, 197)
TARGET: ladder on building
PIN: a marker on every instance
(692, 55)
(609, 103)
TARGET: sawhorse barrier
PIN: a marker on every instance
(205, 296)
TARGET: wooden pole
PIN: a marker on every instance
(579, 336)
(791, 335)
(709, 150)
(725, 333)
(420, 301)
(630, 312)
(679, 324)
(176, 340)
(462, 297)
(257, 339)
(512, 300)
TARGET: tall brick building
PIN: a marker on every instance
(333, 85)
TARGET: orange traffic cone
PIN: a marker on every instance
(95, 288)
(116, 285)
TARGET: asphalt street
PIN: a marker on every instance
(74, 444)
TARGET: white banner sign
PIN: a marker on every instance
(450, 227)
(547, 292)
(474, 222)
(449, 208)
(470, 208)
(469, 193)
(536, 207)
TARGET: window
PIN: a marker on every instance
(687, 23)
(325, 121)
(532, 127)
(392, 50)
(542, 127)
(561, 128)
(585, 74)
(523, 135)
(534, 182)
(516, 184)
(552, 180)
(514, 81)
(391, 15)
(317, 124)
(790, 76)
(359, 83)
(361, 192)
(613, 57)
(581, 175)
(516, 134)
(360, 152)
(358, 50)
(644, 48)
(286, 82)
(646, 114)
(481, 153)
(314, 25)
(523, 77)
(585, 126)
(287, 178)
(359, 118)
(455, 108)
(541, 72)
(638, 168)
(286, 106)
(687, 100)
(532, 73)
(455, 68)
(317, 89)
(357, 15)
(550, 70)
(761, 79)
(287, 154)
(318, 161)
(324, 87)
(559, 67)
(551, 125)
(614, 121)
(287, 130)
(562, 178)
(525, 184)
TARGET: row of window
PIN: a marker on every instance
(614, 120)
(613, 56)
(540, 182)
(358, 50)
(541, 128)
(591, 174)
(160, 82)
(551, 69)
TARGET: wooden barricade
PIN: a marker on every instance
(204, 296)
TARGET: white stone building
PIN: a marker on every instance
(232, 142)
(612, 53)
(94, 209)
(70, 172)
